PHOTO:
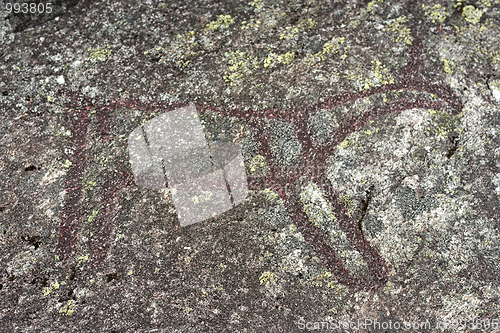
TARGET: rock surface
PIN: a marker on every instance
(370, 134)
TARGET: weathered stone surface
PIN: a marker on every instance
(369, 132)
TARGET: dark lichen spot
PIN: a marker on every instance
(44, 281)
(73, 273)
(31, 168)
(364, 207)
(34, 241)
(69, 295)
(111, 276)
(453, 138)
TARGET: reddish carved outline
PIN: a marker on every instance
(277, 178)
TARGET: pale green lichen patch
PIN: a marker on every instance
(400, 31)
(472, 14)
(271, 196)
(273, 59)
(326, 279)
(267, 279)
(377, 76)
(315, 206)
(372, 4)
(186, 39)
(336, 46)
(380, 75)
(435, 14)
(184, 46)
(83, 258)
(370, 131)
(444, 123)
(267, 16)
(447, 65)
(309, 23)
(348, 203)
(489, 3)
(89, 184)
(317, 280)
(290, 32)
(93, 215)
(252, 23)
(67, 309)
(162, 6)
(98, 54)
(240, 65)
(350, 142)
(51, 288)
(257, 164)
(364, 13)
(222, 22)
(257, 4)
